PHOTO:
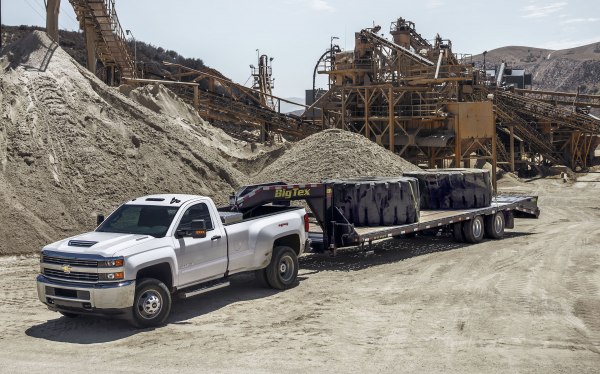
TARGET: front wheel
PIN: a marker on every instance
(151, 304)
(282, 271)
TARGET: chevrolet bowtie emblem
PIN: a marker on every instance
(66, 269)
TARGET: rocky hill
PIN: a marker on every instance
(151, 56)
(560, 70)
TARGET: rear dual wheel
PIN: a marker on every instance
(473, 231)
(282, 271)
(494, 225)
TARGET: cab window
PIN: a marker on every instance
(198, 211)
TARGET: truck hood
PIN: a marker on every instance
(99, 243)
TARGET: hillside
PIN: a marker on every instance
(72, 147)
(151, 56)
(560, 70)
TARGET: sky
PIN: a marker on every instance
(225, 34)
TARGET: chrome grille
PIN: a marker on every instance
(76, 276)
(69, 261)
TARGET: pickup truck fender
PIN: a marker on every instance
(290, 225)
(142, 260)
(251, 242)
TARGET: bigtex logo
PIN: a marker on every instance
(288, 194)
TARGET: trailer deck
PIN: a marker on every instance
(431, 219)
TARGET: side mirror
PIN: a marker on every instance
(99, 219)
(198, 229)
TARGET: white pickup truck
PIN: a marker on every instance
(153, 247)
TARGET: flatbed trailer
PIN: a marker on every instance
(336, 232)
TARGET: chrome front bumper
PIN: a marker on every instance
(80, 297)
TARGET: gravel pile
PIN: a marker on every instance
(71, 147)
(334, 154)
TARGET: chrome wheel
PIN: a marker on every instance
(286, 268)
(477, 228)
(149, 304)
(498, 223)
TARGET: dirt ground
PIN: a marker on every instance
(528, 303)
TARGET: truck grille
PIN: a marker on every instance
(69, 261)
(75, 276)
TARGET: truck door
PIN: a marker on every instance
(202, 258)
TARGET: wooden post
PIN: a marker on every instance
(343, 118)
(52, 10)
(494, 156)
(90, 46)
(457, 143)
(196, 97)
(512, 148)
(391, 120)
(367, 135)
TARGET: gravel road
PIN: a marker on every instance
(528, 303)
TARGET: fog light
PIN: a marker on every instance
(87, 305)
(112, 276)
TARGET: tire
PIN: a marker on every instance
(261, 277)
(442, 189)
(494, 225)
(377, 201)
(69, 315)
(282, 271)
(473, 230)
(151, 304)
(457, 232)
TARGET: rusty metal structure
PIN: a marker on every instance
(421, 100)
(105, 40)
(220, 100)
(263, 81)
(414, 97)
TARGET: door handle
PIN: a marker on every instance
(216, 237)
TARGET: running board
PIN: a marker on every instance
(205, 288)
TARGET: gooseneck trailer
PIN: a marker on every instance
(335, 230)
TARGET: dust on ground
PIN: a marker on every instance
(527, 303)
(71, 147)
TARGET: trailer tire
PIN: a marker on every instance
(377, 201)
(453, 188)
(282, 271)
(457, 232)
(473, 230)
(494, 225)
(151, 303)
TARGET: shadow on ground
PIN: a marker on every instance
(388, 251)
(92, 330)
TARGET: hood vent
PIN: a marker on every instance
(81, 243)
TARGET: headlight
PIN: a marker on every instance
(115, 262)
(111, 276)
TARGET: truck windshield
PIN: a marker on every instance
(140, 219)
